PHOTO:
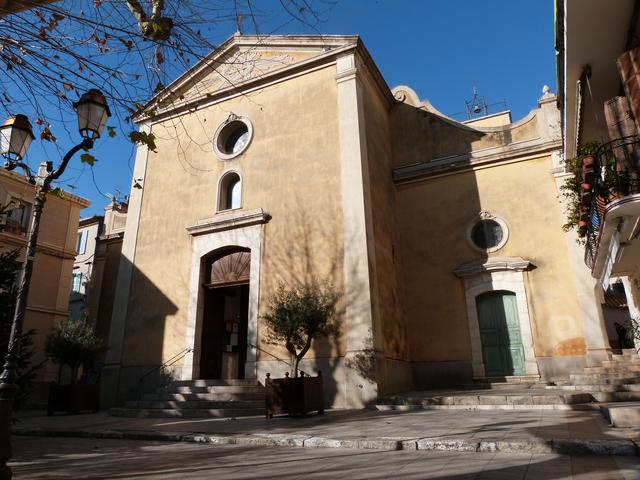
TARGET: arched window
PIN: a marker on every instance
(230, 194)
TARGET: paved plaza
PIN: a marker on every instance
(365, 444)
(75, 458)
(351, 426)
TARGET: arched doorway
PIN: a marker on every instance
(502, 347)
(223, 346)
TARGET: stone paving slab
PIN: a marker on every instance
(73, 458)
(573, 432)
(566, 446)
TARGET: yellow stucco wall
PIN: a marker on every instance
(48, 299)
(291, 170)
(420, 135)
(496, 120)
(388, 305)
(435, 215)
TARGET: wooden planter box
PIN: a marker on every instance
(73, 398)
(294, 395)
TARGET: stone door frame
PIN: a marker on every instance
(498, 273)
(234, 229)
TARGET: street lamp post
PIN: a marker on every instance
(15, 138)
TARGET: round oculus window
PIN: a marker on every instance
(487, 234)
(232, 137)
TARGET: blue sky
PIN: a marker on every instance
(439, 48)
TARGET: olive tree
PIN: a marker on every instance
(298, 315)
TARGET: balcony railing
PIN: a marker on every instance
(615, 174)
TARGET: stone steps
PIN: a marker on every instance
(214, 397)
(602, 379)
(191, 404)
(198, 399)
(590, 388)
(597, 388)
(621, 361)
(505, 383)
(614, 369)
(612, 386)
(185, 413)
(502, 385)
(214, 389)
(215, 383)
(534, 400)
(622, 414)
(404, 408)
(603, 397)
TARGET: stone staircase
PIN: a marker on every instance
(615, 386)
(499, 383)
(612, 387)
(198, 399)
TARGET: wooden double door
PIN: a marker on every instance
(502, 349)
(224, 332)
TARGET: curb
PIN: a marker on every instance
(561, 446)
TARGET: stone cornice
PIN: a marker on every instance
(236, 41)
(19, 181)
(493, 264)
(447, 165)
(229, 221)
(19, 242)
(51, 311)
(112, 237)
(318, 61)
(337, 46)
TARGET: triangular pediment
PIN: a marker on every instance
(240, 60)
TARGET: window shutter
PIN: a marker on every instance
(629, 68)
(82, 241)
(620, 124)
(617, 113)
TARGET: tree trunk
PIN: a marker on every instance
(294, 365)
(292, 357)
(302, 353)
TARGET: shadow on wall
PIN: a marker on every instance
(433, 214)
(143, 337)
(313, 252)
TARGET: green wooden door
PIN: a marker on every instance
(500, 333)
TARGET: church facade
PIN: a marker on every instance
(288, 159)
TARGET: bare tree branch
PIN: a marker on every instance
(52, 53)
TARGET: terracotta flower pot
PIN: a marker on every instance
(582, 228)
(588, 160)
(588, 176)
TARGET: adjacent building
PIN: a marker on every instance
(83, 267)
(95, 270)
(285, 159)
(599, 80)
(48, 300)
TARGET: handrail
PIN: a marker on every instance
(616, 173)
(278, 358)
(168, 363)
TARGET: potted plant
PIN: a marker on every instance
(297, 316)
(13, 226)
(75, 345)
(577, 187)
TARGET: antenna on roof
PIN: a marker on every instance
(477, 105)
